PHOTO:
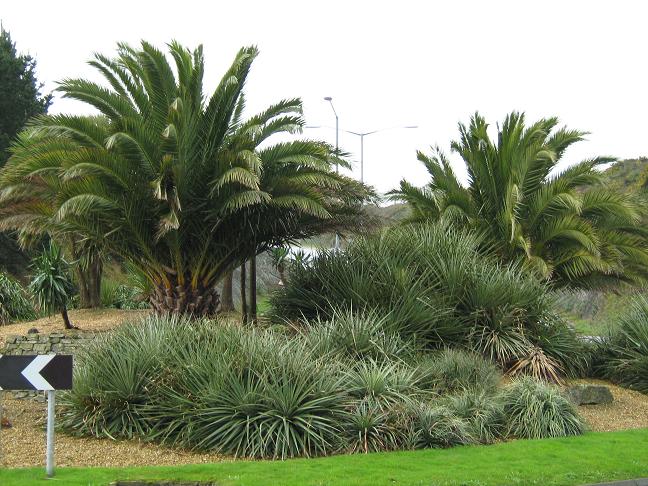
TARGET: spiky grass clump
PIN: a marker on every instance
(248, 392)
(437, 285)
(208, 387)
(535, 410)
(357, 336)
(452, 370)
(624, 352)
(369, 426)
(483, 412)
(438, 426)
(14, 304)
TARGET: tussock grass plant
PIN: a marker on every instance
(357, 336)
(483, 412)
(452, 370)
(535, 410)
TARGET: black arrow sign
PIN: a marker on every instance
(42, 372)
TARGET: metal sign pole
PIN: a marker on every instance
(1, 458)
(49, 468)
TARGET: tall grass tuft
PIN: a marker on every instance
(535, 410)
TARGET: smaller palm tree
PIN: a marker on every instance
(51, 283)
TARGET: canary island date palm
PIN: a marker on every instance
(563, 223)
(178, 183)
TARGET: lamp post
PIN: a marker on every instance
(337, 132)
(362, 135)
(337, 148)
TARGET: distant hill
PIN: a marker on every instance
(628, 174)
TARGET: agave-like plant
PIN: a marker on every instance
(171, 180)
(564, 224)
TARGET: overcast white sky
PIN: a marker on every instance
(385, 64)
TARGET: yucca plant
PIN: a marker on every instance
(176, 182)
(51, 283)
(565, 225)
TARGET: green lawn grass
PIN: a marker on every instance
(594, 457)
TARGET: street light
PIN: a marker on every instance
(337, 131)
(362, 135)
(337, 169)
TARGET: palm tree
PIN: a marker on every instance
(564, 224)
(171, 180)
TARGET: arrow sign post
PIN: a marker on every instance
(46, 372)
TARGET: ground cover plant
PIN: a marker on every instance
(623, 353)
(438, 286)
(271, 393)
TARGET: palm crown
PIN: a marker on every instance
(565, 225)
(181, 185)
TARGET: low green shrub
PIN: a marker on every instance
(452, 370)
(436, 285)
(121, 296)
(14, 304)
(382, 382)
(623, 353)
(535, 410)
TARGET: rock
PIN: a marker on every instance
(33, 330)
(589, 394)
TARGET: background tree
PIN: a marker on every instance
(170, 180)
(20, 99)
(566, 226)
(51, 283)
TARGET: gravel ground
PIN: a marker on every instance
(85, 319)
(23, 445)
(629, 410)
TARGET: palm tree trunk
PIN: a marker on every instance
(182, 298)
(227, 297)
(253, 290)
(244, 310)
(66, 319)
(94, 273)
